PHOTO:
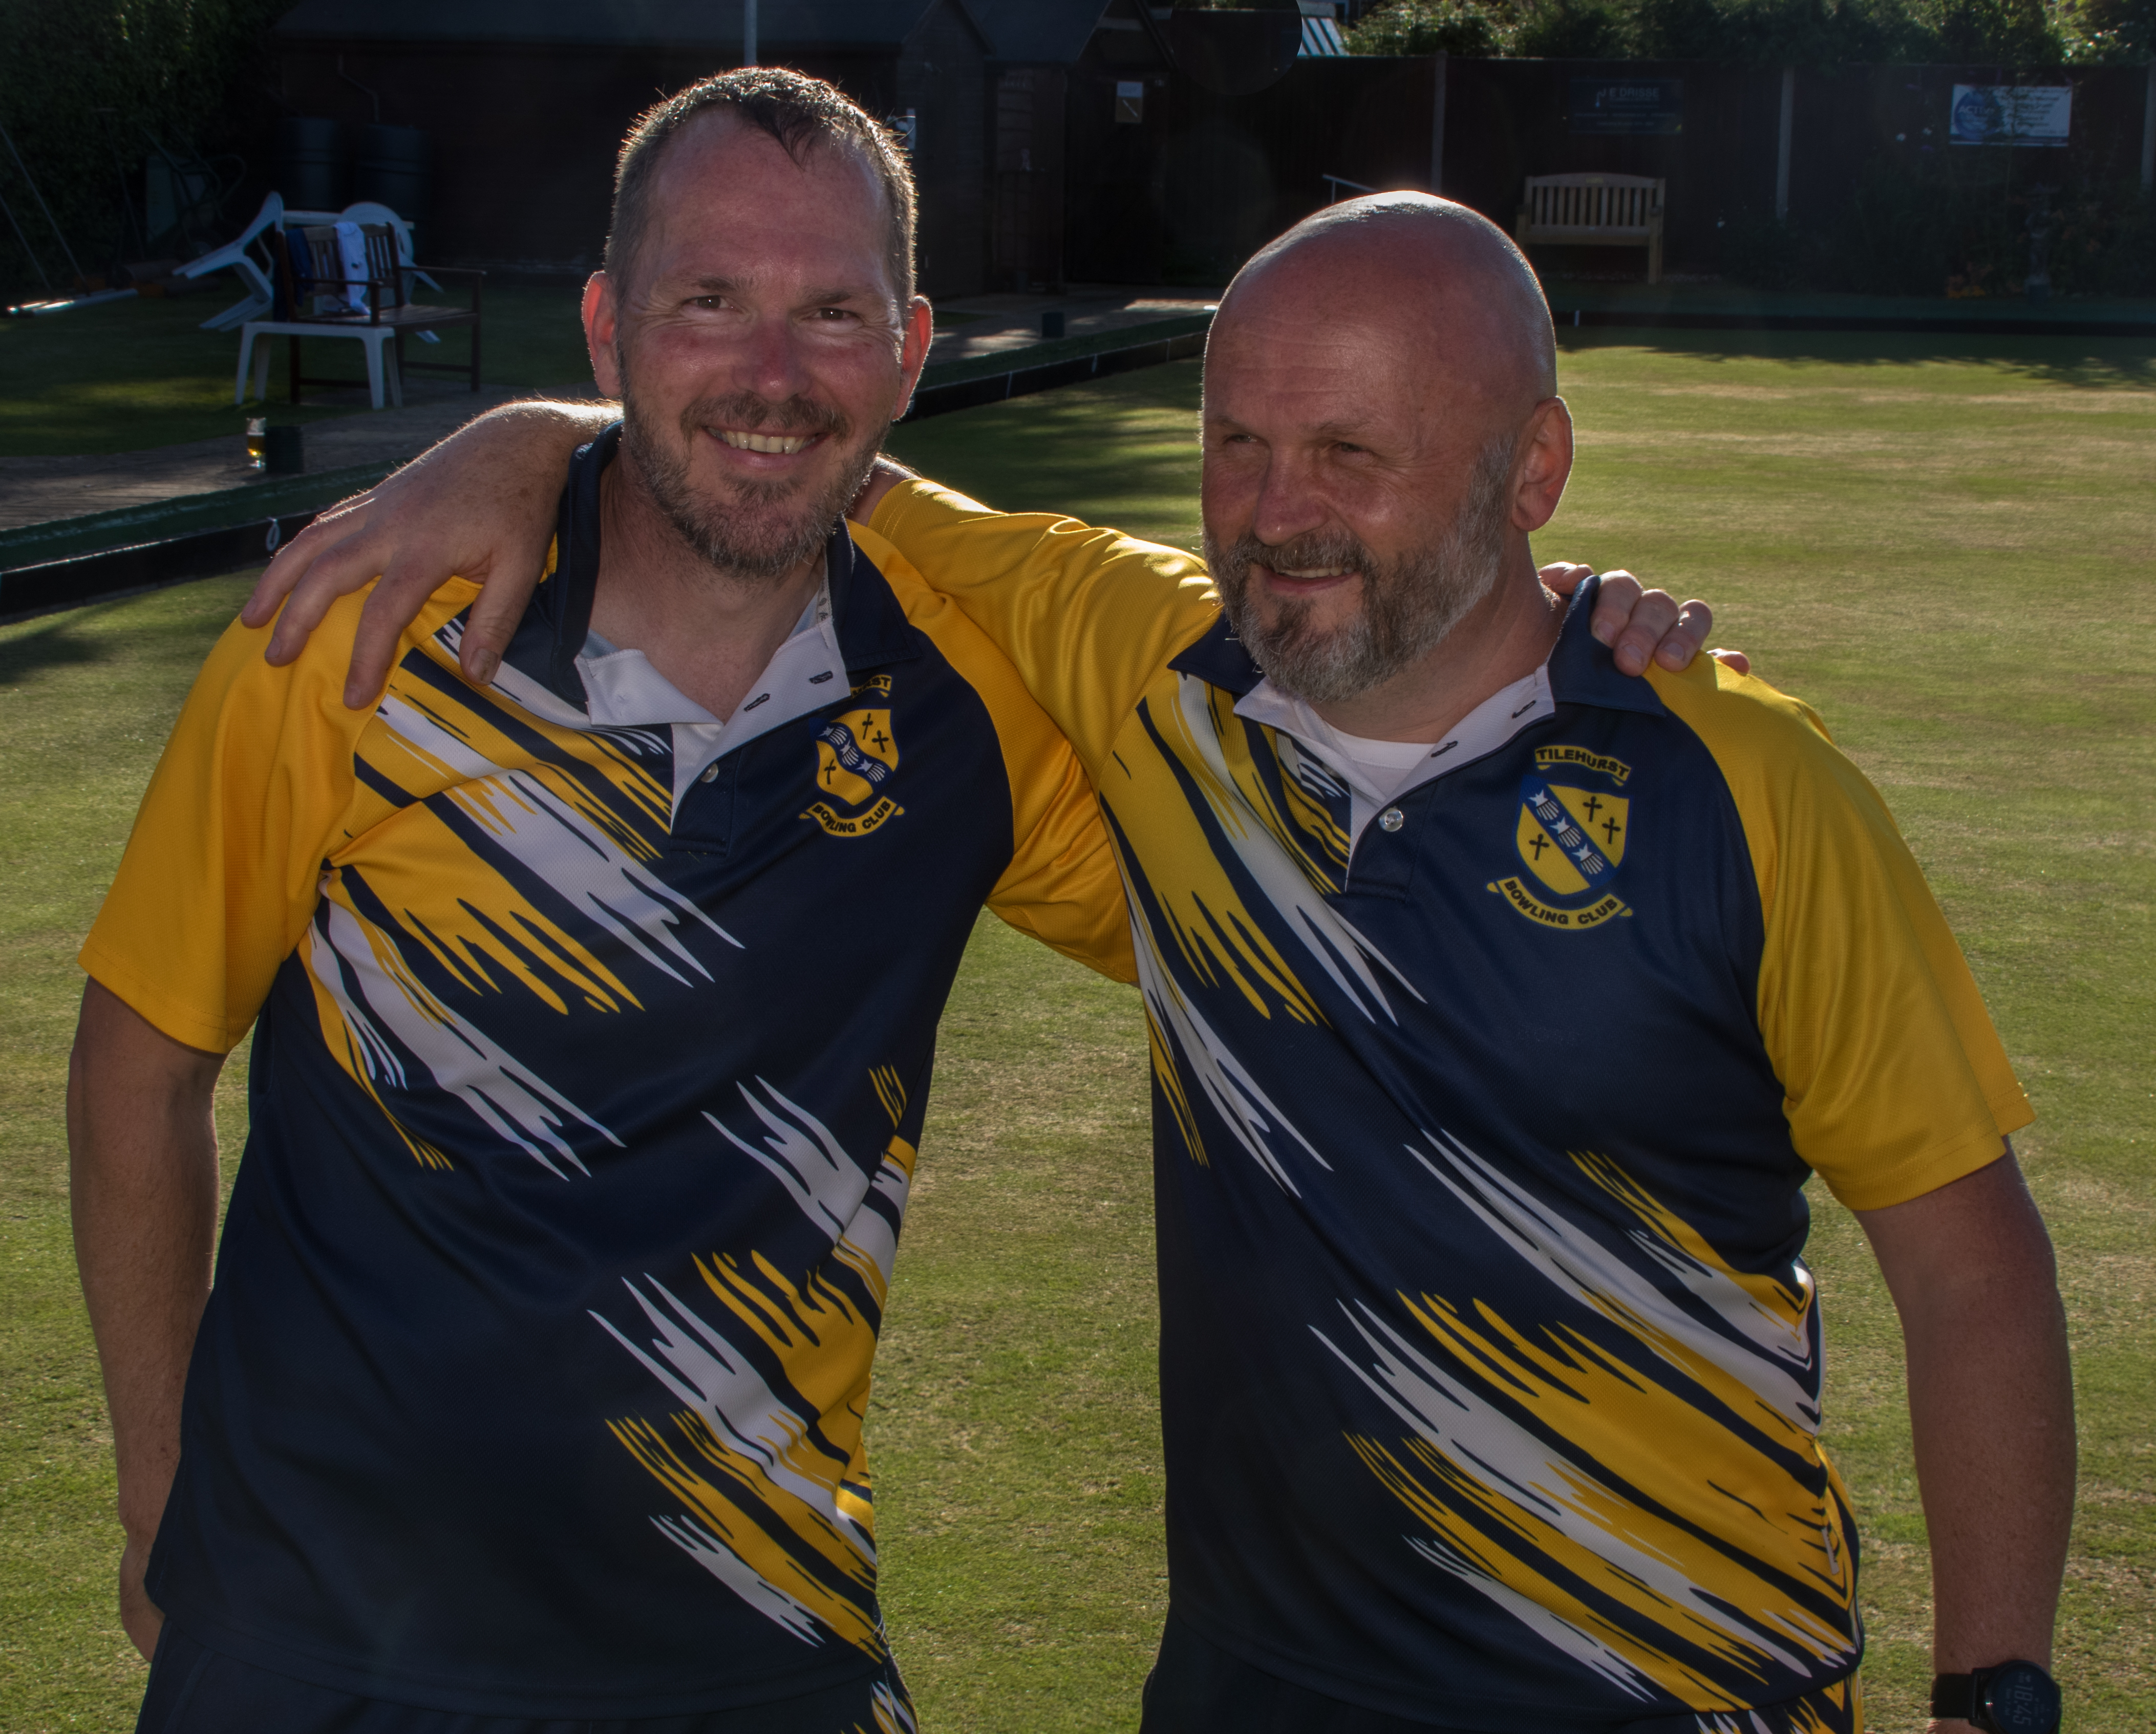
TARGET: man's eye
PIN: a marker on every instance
(1343, 445)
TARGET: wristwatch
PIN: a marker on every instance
(2013, 1698)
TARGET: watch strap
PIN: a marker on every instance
(1953, 1697)
(1972, 1698)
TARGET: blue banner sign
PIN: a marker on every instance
(1652, 107)
(2010, 114)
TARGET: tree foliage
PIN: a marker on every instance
(1435, 27)
(1817, 32)
(85, 85)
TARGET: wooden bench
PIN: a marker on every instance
(1594, 211)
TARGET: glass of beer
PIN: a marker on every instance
(258, 440)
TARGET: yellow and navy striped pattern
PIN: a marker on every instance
(1490, 1363)
(585, 1114)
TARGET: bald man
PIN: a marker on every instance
(1491, 1377)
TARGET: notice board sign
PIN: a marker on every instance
(2010, 114)
(1632, 107)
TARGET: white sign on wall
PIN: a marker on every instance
(2010, 114)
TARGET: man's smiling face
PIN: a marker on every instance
(1363, 412)
(756, 341)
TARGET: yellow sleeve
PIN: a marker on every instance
(221, 872)
(1089, 617)
(1895, 1080)
(1061, 887)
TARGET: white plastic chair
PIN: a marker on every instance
(333, 283)
(368, 210)
(233, 256)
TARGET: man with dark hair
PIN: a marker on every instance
(801, 113)
(593, 1014)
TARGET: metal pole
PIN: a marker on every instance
(2149, 134)
(35, 263)
(1437, 125)
(1782, 144)
(42, 205)
(748, 33)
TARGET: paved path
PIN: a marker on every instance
(995, 323)
(37, 491)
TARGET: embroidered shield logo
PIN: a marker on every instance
(1573, 840)
(856, 758)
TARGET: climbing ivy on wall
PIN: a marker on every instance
(84, 87)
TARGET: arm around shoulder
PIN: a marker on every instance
(479, 505)
(1089, 617)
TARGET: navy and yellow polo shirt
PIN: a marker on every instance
(587, 1082)
(1490, 1366)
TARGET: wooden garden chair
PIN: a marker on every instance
(317, 299)
(1592, 210)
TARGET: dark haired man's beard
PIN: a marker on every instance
(763, 529)
(1408, 606)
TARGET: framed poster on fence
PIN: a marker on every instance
(2010, 114)
(1628, 106)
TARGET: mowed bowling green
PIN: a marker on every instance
(1945, 545)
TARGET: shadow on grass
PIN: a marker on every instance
(54, 644)
(2089, 362)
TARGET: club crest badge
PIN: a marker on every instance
(856, 759)
(1570, 836)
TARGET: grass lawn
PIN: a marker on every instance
(1939, 547)
(131, 374)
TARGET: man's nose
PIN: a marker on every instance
(1289, 504)
(774, 361)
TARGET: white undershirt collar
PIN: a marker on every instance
(1377, 772)
(622, 690)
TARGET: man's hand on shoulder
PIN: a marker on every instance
(887, 474)
(480, 505)
(1643, 626)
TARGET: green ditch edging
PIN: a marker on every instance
(190, 514)
(1061, 349)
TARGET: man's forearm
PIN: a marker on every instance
(549, 424)
(143, 1183)
(1991, 1408)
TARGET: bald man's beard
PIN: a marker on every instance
(1410, 605)
(763, 530)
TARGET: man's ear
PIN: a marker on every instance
(1543, 465)
(601, 320)
(913, 350)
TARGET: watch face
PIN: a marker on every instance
(2021, 1699)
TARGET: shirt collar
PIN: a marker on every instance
(1485, 728)
(1582, 669)
(624, 690)
(1220, 660)
(872, 627)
